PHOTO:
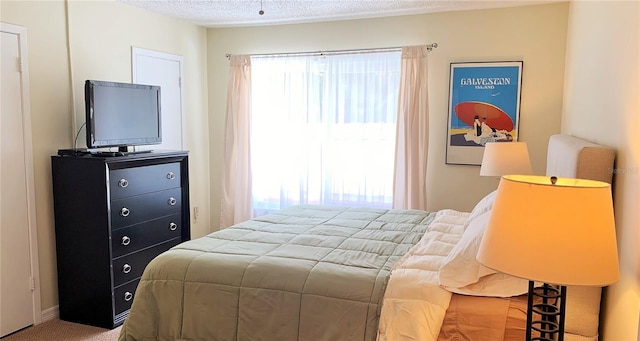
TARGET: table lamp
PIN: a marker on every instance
(556, 231)
(502, 158)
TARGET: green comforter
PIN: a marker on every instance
(307, 273)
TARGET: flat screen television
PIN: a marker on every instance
(122, 114)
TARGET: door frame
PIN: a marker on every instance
(21, 32)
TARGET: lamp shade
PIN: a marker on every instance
(502, 158)
(562, 233)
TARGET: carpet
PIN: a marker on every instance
(58, 330)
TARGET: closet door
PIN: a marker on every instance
(165, 70)
(17, 211)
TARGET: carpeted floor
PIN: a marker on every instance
(57, 330)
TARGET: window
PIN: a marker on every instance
(323, 129)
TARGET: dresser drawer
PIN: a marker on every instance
(123, 297)
(140, 208)
(138, 180)
(135, 237)
(131, 266)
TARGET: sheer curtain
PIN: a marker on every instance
(323, 130)
(410, 179)
(236, 177)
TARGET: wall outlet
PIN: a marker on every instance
(196, 211)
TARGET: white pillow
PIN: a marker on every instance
(460, 268)
(462, 273)
(484, 205)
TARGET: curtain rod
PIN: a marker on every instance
(322, 53)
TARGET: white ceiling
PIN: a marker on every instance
(236, 13)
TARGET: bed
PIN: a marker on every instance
(344, 273)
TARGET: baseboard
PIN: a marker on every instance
(50, 314)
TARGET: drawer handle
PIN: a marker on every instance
(123, 183)
(171, 175)
(173, 226)
(126, 240)
(126, 268)
(172, 201)
(128, 296)
(124, 212)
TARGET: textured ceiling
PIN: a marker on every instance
(234, 13)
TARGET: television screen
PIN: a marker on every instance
(122, 114)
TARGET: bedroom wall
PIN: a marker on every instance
(101, 34)
(533, 34)
(601, 101)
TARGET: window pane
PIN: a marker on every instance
(323, 130)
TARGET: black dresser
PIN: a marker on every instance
(113, 215)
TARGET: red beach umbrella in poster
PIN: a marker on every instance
(495, 117)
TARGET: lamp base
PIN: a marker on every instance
(545, 312)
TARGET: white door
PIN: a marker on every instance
(19, 299)
(165, 70)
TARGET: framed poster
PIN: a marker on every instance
(484, 106)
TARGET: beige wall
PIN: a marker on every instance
(533, 34)
(101, 34)
(601, 104)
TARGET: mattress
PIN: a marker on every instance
(304, 273)
(505, 318)
(485, 318)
